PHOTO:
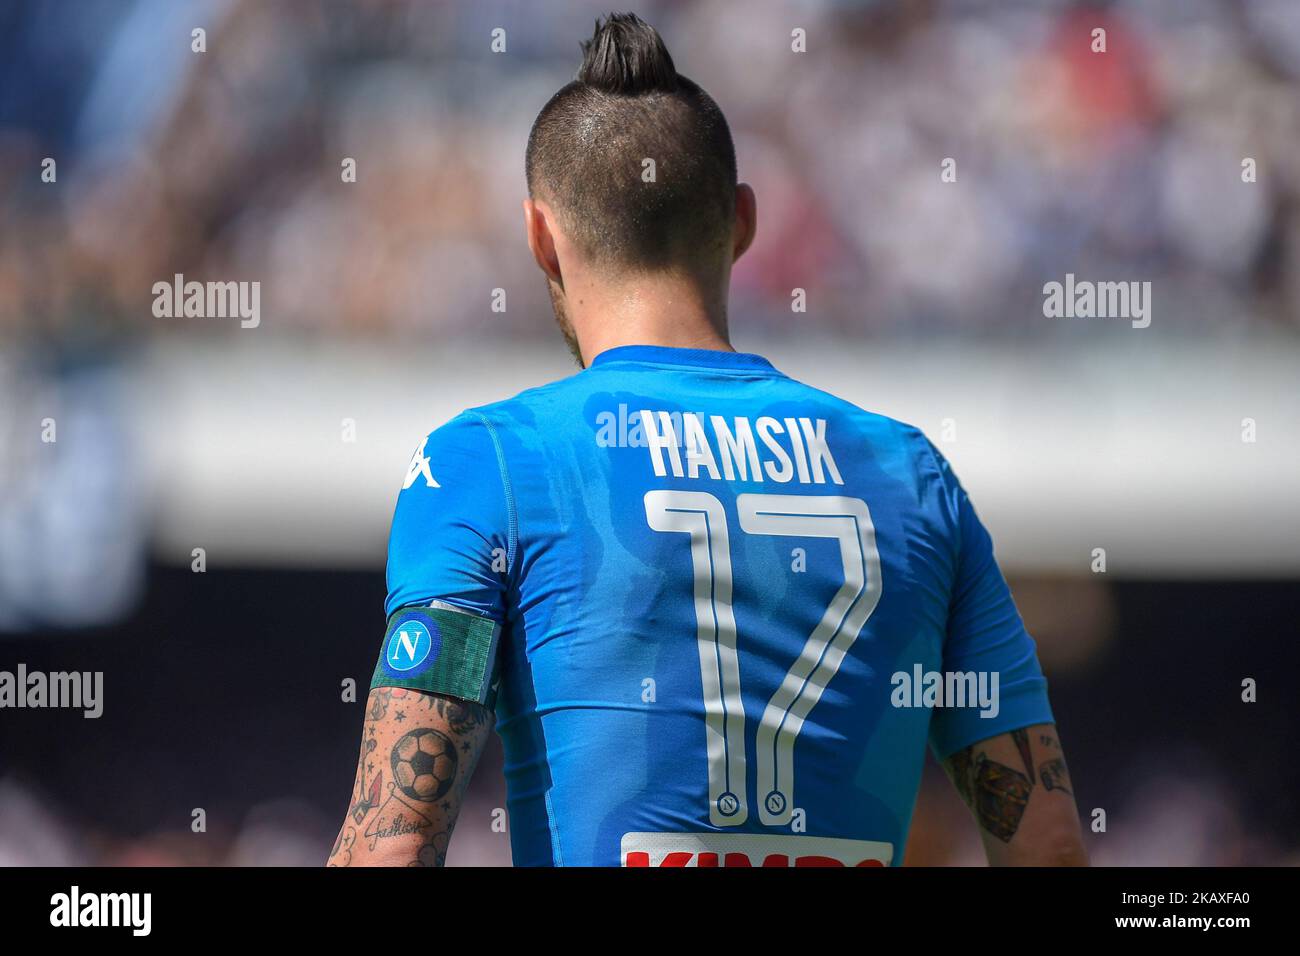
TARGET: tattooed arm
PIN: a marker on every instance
(1020, 792)
(418, 751)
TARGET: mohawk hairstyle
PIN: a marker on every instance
(587, 146)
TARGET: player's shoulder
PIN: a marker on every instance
(526, 411)
(535, 410)
(870, 424)
(538, 398)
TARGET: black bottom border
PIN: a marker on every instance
(336, 906)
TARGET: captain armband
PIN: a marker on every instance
(440, 649)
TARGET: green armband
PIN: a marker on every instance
(440, 649)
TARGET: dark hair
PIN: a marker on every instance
(587, 146)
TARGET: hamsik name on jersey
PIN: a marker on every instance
(732, 450)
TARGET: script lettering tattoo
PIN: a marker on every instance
(396, 819)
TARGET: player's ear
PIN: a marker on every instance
(541, 241)
(746, 220)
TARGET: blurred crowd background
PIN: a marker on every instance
(225, 165)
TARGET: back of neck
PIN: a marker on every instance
(660, 309)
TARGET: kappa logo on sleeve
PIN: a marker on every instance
(419, 467)
(411, 645)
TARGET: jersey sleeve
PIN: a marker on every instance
(985, 635)
(450, 552)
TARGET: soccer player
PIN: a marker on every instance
(708, 607)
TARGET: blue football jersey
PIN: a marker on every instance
(726, 611)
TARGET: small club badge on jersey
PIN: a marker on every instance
(440, 649)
